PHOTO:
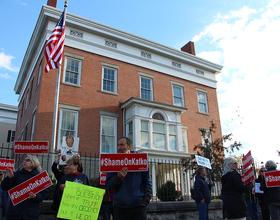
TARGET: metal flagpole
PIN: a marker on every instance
(55, 112)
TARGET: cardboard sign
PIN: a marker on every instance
(247, 160)
(115, 162)
(69, 148)
(35, 184)
(80, 202)
(31, 147)
(257, 188)
(272, 178)
(103, 178)
(248, 176)
(202, 161)
(6, 163)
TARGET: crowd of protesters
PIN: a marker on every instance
(127, 194)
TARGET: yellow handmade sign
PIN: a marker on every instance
(80, 202)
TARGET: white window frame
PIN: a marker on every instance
(203, 92)
(76, 112)
(149, 77)
(181, 87)
(115, 132)
(75, 57)
(27, 99)
(115, 69)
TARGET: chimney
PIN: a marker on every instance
(189, 48)
(52, 3)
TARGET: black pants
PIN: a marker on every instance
(136, 213)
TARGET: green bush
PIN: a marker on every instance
(167, 192)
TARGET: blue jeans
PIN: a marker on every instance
(202, 211)
(253, 211)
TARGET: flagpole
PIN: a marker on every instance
(55, 112)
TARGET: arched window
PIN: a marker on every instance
(158, 116)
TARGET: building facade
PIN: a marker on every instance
(116, 84)
(8, 119)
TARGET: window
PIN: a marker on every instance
(68, 124)
(27, 99)
(144, 133)
(108, 134)
(22, 108)
(172, 137)
(130, 131)
(158, 136)
(109, 82)
(178, 96)
(185, 140)
(40, 72)
(11, 136)
(146, 88)
(202, 102)
(73, 71)
(33, 125)
(25, 132)
(31, 89)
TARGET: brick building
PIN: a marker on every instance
(115, 84)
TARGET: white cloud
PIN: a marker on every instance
(6, 63)
(248, 90)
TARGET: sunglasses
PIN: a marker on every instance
(26, 160)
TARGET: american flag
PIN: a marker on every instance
(55, 44)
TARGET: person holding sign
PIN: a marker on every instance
(202, 193)
(271, 194)
(73, 164)
(233, 191)
(260, 195)
(29, 208)
(132, 189)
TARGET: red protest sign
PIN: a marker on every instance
(31, 147)
(6, 163)
(115, 162)
(272, 178)
(248, 176)
(103, 178)
(247, 160)
(35, 184)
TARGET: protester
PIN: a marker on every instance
(58, 175)
(74, 164)
(272, 194)
(132, 189)
(260, 196)
(202, 193)
(1, 194)
(233, 189)
(251, 202)
(29, 208)
(107, 208)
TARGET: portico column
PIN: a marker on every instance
(154, 179)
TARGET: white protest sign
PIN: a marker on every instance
(257, 188)
(202, 161)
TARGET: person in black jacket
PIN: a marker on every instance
(29, 208)
(260, 196)
(272, 194)
(202, 193)
(233, 189)
(58, 175)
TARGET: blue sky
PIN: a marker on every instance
(241, 35)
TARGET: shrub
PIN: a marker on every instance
(167, 192)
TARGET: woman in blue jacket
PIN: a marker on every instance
(29, 208)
